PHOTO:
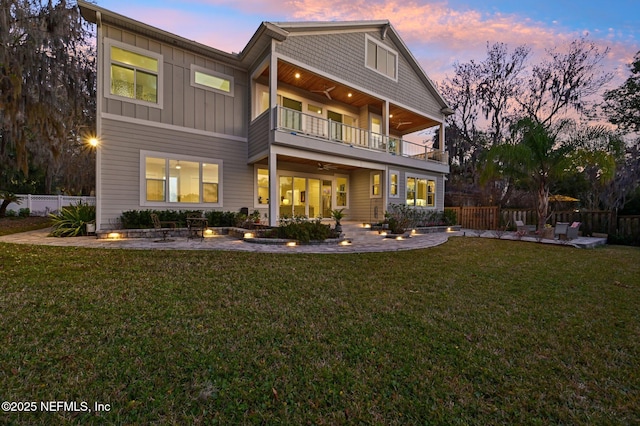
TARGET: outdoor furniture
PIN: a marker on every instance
(163, 226)
(572, 231)
(196, 226)
(561, 230)
(524, 229)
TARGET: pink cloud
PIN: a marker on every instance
(437, 34)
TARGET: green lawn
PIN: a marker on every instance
(476, 331)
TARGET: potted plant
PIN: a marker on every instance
(255, 216)
(337, 215)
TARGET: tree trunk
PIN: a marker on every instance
(3, 207)
(543, 205)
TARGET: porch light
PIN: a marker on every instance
(297, 75)
(113, 235)
(248, 235)
(93, 142)
(350, 94)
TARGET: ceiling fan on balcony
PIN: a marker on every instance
(326, 166)
(402, 123)
(326, 91)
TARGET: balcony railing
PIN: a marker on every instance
(310, 125)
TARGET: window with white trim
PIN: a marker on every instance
(168, 179)
(381, 58)
(421, 192)
(375, 184)
(262, 184)
(394, 184)
(134, 74)
(211, 80)
(342, 192)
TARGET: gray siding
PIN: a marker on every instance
(362, 206)
(402, 187)
(259, 135)
(343, 55)
(121, 144)
(183, 104)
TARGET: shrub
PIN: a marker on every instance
(72, 220)
(11, 213)
(24, 212)
(305, 231)
(450, 217)
(140, 219)
(219, 218)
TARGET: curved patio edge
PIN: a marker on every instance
(361, 240)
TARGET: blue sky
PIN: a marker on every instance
(437, 32)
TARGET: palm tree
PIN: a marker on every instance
(532, 159)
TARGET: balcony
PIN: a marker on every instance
(308, 125)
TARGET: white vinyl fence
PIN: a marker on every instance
(42, 205)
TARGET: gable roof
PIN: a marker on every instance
(386, 29)
(261, 39)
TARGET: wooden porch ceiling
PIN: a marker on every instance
(401, 121)
(318, 165)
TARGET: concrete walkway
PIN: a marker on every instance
(362, 241)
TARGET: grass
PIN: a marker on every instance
(12, 225)
(476, 331)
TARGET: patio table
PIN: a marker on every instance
(196, 227)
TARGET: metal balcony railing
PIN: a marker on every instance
(310, 125)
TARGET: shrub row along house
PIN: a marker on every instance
(309, 117)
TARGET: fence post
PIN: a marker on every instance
(29, 205)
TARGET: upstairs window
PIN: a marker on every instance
(381, 58)
(211, 80)
(134, 74)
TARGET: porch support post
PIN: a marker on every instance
(386, 121)
(274, 202)
(441, 139)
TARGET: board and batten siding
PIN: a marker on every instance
(121, 143)
(343, 55)
(259, 135)
(183, 104)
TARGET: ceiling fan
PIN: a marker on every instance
(326, 166)
(402, 123)
(326, 91)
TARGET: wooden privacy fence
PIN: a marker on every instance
(477, 217)
(624, 227)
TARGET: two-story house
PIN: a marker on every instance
(309, 117)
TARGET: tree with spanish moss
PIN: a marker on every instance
(47, 90)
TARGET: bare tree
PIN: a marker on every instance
(565, 81)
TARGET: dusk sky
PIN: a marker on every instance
(437, 32)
